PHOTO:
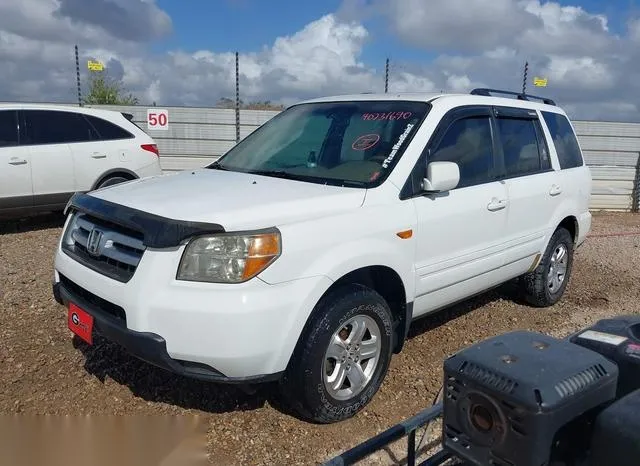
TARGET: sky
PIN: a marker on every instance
(182, 52)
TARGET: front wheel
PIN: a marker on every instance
(545, 285)
(343, 356)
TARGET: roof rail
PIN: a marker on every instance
(521, 96)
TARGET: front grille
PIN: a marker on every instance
(102, 305)
(102, 246)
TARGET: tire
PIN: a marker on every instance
(304, 387)
(539, 288)
(112, 180)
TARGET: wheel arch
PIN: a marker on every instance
(385, 281)
(570, 223)
(124, 172)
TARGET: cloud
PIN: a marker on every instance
(592, 70)
(458, 25)
(135, 20)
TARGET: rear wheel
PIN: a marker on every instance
(343, 356)
(112, 180)
(545, 285)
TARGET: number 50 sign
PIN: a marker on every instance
(157, 119)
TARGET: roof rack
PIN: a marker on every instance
(521, 96)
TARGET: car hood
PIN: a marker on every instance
(234, 200)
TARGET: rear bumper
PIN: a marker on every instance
(146, 346)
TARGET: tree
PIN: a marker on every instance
(105, 90)
(226, 102)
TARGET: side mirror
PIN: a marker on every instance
(441, 176)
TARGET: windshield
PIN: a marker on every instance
(354, 143)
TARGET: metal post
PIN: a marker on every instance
(237, 99)
(386, 77)
(78, 77)
(635, 198)
(524, 81)
(411, 449)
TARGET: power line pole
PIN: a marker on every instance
(78, 77)
(237, 98)
(386, 76)
(524, 80)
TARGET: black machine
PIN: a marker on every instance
(528, 399)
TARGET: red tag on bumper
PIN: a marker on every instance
(80, 323)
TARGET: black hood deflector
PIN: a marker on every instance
(157, 231)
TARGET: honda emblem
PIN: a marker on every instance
(93, 242)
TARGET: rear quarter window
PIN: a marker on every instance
(107, 130)
(564, 140)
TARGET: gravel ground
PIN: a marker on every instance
(45, 371)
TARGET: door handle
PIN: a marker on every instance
(98, 155)
(555, 190)
(15, 161)
(497, 204)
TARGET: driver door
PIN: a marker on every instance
(460, 233)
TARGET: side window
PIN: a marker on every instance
(523, 152)
(8, 128)
(468, 143)
(107, 130)
(57, 127)
(564, 140)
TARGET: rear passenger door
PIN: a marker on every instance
(105, 151)
(532, 184)
(47, 133)
(16, 193)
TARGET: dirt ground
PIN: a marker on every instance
(45, 371)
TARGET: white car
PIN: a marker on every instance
(306, 251)
(49, 152)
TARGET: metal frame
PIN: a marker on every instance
(407, 428)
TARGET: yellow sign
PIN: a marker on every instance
(540, 82)
(95, 65)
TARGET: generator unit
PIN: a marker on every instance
(524, 399)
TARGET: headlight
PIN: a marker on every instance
(229, 258)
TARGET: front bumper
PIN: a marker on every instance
(241, 333)
(146, 346)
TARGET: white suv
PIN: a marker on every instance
(305, 252)
(49, 152)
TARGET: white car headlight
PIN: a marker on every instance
(229, 258)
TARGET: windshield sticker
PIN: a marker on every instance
(397, 145)
(387, 116)
(366, 141)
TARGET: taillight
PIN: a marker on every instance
(151, 148)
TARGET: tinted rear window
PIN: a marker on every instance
(8, 128)
(107, 130)
(523, 155)
(564, 139)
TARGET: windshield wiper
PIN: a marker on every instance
(278, 174)
(216, 166)
(314, 179)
